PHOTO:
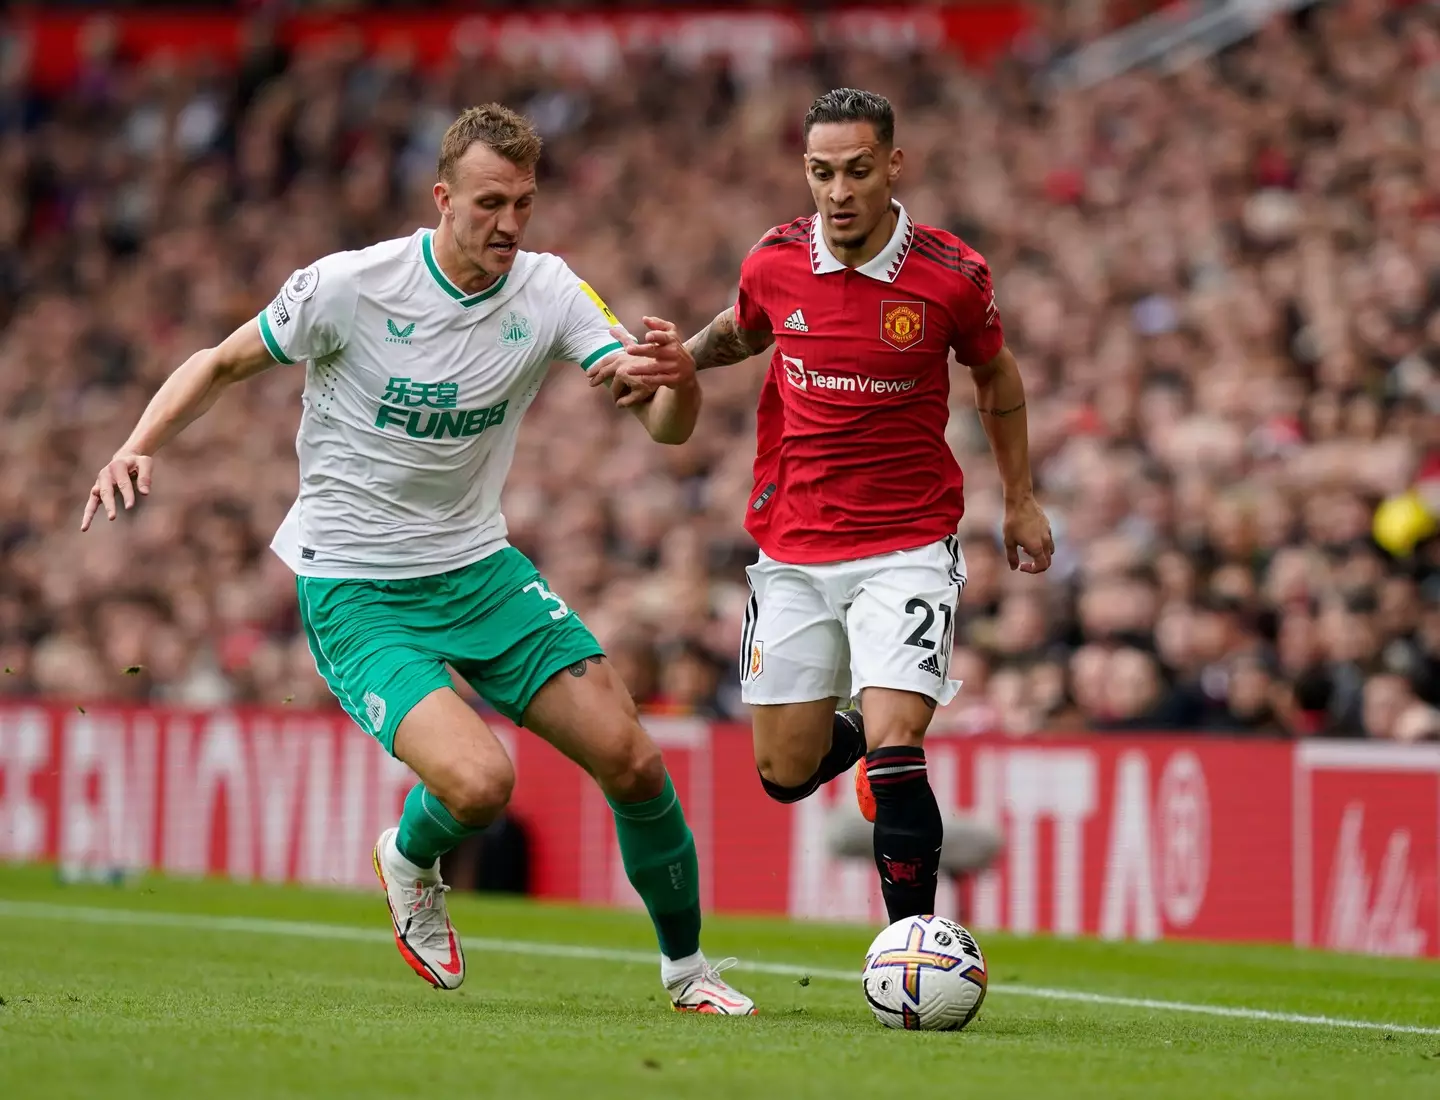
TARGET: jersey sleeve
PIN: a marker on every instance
(979, 335)
(585, 322)
(312, 315)
(750, 315)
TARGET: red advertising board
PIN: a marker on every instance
(1334, 845)
(1367, 848)
(595, 42)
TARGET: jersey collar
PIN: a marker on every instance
(884, 267)
(466, 300)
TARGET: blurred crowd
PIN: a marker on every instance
(1222, 287)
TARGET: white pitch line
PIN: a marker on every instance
(340, 932)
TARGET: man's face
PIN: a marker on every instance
(1383, 701)
(488, 202)
(851, 175)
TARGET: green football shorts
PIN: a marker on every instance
(382, 646)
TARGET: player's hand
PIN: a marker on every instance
(661, 360)
(1027, 528)
(115, 478)
(605, 370)
(624, 390)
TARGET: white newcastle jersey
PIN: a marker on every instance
(414, 392)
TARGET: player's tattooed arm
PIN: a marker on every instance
(723, 342)
(1000, 397)
(1011, 411)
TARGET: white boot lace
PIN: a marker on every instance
(712, 971)
(425, 895)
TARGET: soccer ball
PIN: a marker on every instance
(924, 974)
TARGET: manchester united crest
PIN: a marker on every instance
(902, 324)
(757, 662)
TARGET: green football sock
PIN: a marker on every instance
(427, 829)
(658, 850)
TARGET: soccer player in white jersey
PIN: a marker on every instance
(421, 356)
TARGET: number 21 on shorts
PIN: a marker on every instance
(918, 636)
(545, 594)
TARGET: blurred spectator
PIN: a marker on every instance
(1222, 286)
(1250, 699)
(1392, 711)
(1134, 693)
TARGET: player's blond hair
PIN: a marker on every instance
(494, 126)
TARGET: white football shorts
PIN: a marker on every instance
(821, 631)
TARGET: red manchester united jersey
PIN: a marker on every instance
(852, 459)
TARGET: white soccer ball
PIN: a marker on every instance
(924, 974)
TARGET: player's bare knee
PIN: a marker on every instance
(791, 741)
(787, 769)
(476, 793)
(633, 770)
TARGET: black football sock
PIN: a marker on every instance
(908, 830)
(847, 746)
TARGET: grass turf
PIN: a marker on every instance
(161, 1010)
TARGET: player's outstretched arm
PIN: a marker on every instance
(723, 342)
(1000, 397)
(191, 389)
(656, 381)
(719, 344)
(669, 414)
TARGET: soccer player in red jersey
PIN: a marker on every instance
(857, 496)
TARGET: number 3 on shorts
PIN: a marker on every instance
(545, 594)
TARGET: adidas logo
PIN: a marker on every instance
(796, 322)
(930, 665)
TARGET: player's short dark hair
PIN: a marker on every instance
(494, 126)
(854, 105)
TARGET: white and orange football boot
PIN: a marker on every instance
(709, 993)
(423, 932)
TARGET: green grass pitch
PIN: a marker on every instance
(212, 990)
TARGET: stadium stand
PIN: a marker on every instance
(1222, 287)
